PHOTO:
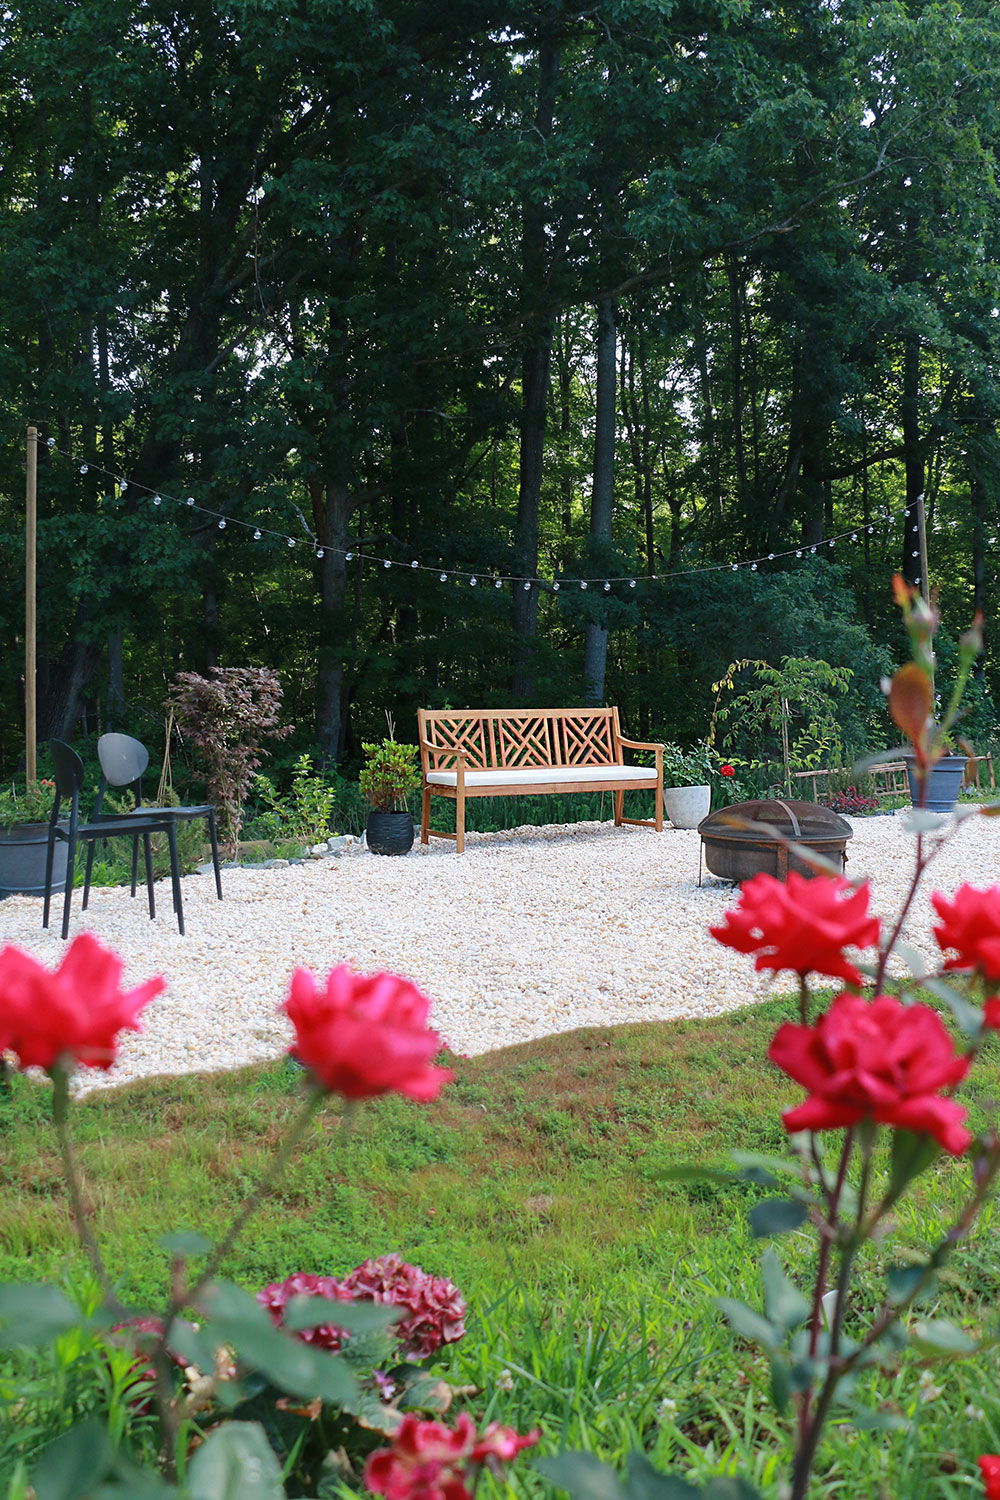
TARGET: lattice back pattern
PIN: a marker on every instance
(504, 739)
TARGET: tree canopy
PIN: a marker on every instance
(538, 292)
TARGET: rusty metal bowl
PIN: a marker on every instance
(747, 837)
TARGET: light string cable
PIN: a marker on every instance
(603, 582)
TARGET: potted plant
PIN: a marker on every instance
(687, 784)
(24, 823)
(389, 773)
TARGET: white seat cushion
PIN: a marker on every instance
(541, 775)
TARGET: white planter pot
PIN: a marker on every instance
(687, 805)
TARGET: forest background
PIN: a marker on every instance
(630, 290)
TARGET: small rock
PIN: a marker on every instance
(275, 864)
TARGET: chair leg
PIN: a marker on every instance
(425, 815)
(50, 854)
(68, 890)
(460, 825)
(619, 808)
(135, 865)
(147, 845)
(175, 877)
(658, 814)
(91, 846)
(214, 840)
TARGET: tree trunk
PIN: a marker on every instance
(595, 640)
(78, 661)
(331, 693)
(535, 364)
(913, 457)
(977, 494)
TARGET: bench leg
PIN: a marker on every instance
(459, 825)
(425, 815)
(619, 808)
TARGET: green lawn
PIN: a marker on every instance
(535, 1183)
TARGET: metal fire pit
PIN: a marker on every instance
(736, 846)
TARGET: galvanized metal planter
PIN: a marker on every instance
(22, 860)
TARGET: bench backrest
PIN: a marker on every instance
(504, 738)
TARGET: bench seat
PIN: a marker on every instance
(517, 752)
(630, 776)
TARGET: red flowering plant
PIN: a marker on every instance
(880, 1073)
(272, 1385)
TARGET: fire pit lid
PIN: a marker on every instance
(807, 821)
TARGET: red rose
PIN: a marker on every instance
(727, 770)
(989, 1467)
(878, 1060)
(428, 1461)
(76, 1012)
(801, 924)
(991, 1012)
(971, 925)
(365, 1034)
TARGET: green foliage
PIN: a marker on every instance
(21, 804)
(793, 699)
(390, 772)
(304, 812)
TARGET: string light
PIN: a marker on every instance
(121, 486)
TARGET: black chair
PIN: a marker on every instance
(123, 761)
(68, 775)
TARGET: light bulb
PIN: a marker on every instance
(753, 567)
(583, 583)
(291, 541)
(607, 588)
(555, 588)
(319, 551)
(914, 554)
(348, 556)
(472, 581)
(84, 468)
(190, 499)
(799, 552)
(830, 542)
(735, 567)
(51, 442)
(527, 585)
(414, 564)
(631, 583)
(444, 578)
(387, 563)
(157, 500)
(870, 530)
(812, 549)
(498, 583)
(770, 557)
(854, 536)
(256, 536)
(124, 485)
(222, 524)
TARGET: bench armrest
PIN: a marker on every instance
(460, 755)
(640, 744)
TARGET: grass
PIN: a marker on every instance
(535, 1182)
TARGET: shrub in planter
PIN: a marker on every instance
(388, 775)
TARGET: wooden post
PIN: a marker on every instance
(30, 618)
(925, 583)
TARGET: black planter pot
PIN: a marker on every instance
(22, 860)
(943, 784)
(389, 832)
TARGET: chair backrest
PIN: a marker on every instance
(122, 758)
(67, 769)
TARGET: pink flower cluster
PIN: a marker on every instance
(429, 1461)
(277, 1295)
(434, 1306)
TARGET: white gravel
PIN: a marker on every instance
(530, 932)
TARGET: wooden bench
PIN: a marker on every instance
(520, 752)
